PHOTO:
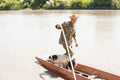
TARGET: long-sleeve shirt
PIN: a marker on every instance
(69, 31)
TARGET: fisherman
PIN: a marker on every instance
(70, 34)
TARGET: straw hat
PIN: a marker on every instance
(73, 16)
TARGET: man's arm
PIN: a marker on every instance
(59, 26)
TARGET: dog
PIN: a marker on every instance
(62, 61)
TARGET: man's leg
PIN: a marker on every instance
(70, 50)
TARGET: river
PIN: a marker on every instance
(33, 33)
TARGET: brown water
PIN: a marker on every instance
(24, 33)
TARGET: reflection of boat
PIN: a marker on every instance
(82, 72)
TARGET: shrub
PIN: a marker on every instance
(2, 6)
(116, 4)
(10, 4)
(76, 4)
(37, 4)
(26, 4)
(102, 3)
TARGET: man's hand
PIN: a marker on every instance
(58, 26)
(76, 44)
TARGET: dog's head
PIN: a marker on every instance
(53, 57)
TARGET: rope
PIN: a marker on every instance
(68, 53)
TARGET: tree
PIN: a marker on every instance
(102, 3)
(38, 4)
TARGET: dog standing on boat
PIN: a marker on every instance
(62, 61)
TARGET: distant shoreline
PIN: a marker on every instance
(59, 9)
(28, 9)
(37, 11)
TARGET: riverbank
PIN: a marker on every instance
(45, 11)
(56, 4)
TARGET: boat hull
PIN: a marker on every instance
(64, 73)
(100, 73)
(68, 75)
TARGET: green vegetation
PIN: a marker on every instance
(59, 4)
(10, 4)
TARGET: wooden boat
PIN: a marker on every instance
(82, 72)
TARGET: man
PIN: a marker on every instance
(70, 34)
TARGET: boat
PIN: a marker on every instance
(82, 72)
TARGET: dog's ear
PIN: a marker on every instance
(50, 57)
(54, 57)
(73, 62)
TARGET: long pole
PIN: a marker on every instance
(68, 53)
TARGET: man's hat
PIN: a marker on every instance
(73, 16)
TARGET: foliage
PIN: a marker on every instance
(26, 4)
(103, 3)
(68, 4)
(76, 4)
(59, 4)
(56, 4)
(36, 4)
(116, 4)
(2, 6)
(10, 4)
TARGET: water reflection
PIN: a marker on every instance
(33, 32)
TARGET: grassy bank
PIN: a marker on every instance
(59, 4)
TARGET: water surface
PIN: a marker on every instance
(33, 33)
